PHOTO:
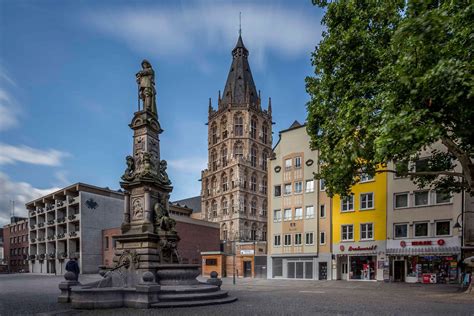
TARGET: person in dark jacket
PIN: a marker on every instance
(73, 266)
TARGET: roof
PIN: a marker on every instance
(424, 251)
(193, 203)
(240, 87)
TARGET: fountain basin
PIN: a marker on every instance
(178, 274)
(112, 297)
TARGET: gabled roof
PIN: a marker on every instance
(193, 203)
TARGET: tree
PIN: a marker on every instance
(392, 78)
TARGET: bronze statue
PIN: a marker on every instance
(129, 172)
(146, 86)
(163, 219)
(163, 175)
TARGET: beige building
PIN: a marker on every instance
(299, 225)
(234, 186)
(422, 245)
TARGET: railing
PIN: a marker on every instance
(41, 256)
(32, 257)
(51, 222)
(51, 237)
(41, 239)
(62, 255)
(72, 234)
(61, 220)
(41, 225)
(71, 217)
(61, 235)
(33, 240)
(52, 255)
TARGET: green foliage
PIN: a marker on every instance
(392, 77)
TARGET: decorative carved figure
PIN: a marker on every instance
(129, 172)
(137, 209)
(163, 219)
(148, 165)
(163, 175)
(146, 86)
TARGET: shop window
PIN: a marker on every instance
(322, 211)
(277, 190)
(288, 189)
(421, 198)
(401, 200)
(310, 211)
(298, 213)
(322, 185)
(401, 230)
(347, 232)
(322, 238)
(443, 228)
(287, 240)
(298, 162)
(362, 268)
(277, 215)
(366, 201)
(421, 229)
(366, 231)
(287, 214)
(443, 197)
(277, 240)
(347, 203)
(298, 187)
(297, 239)
(309, 240)
(309, 186)
(211, 262)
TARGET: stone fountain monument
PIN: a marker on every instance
(147, 271)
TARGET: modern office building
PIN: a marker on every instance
(234, 186)
(300, 215)
(359, 231)
(68, 223)
(15, 236)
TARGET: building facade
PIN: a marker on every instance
(300, 219)
(68, 223)
(234, 186)
(15, 236)
(359, 231)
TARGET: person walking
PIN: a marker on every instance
(73, 266)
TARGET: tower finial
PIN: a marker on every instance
(240, 23)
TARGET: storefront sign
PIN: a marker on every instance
(342, 248)
(441, 242)
(246, 252)
(359, 248)
(403, 244)
(421, 243)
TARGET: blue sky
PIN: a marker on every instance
(68, 92)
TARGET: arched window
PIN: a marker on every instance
(214, 133)
(214, 209)
(253, 182)
(224, 231)
(264, 208)
(264, 233)
(224, 181)
(232, 205)
(253, 207)
(224, 156)
(253, 156)
(238, 125)
(264, 185)
(207, 190)
(264, 160)
(208, 210)
(245, 233)
(253, 232)
(214, 185)
(231, 177)
(253, 127)
(213, 160)
(238, 150)
(224, 206)
(265, 139)
(224, 127)
(243, 206)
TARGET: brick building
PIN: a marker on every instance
(15, 236)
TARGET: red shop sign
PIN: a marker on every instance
(441, 242)
(403, 244)
(359, 248)
(421, 243)
(341, 247)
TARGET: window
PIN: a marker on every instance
(239, 125)
(253, 128)
(253, 157)
(365, 177)
(298, 162)
(253, 233)
(366, 201)
(401, 200)
(309, 185)
(298, 213)
(277, 215)
(322, 238)
(264, 160)
(264, 186)
(421, 198)
(287, 240)
(287, 214)
(298, 240)
(264, 235)
(401, 230)
(347, 232)
(264, 208)
(310, 211)
(214, 160)
(443, 228)
(238, 151)
(277, 240)
(224, 156)
(277, 190)
(264, 134)
(322, 211)
(443, 197)
(106, 242)
(309, 239)
(225, 207)
(211, 262)
(214, 209)
(347, 203)
(322, 185)
(253, 183)
(421, 229)
(214, 134)
(288, 164)
(253, 207)
(287, 188)
(298, 187)
(421, 165)
(224, 183)
(366, 231)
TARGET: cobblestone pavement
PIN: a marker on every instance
(26, 294)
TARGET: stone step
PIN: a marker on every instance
(182, 289)
(224, 300)
(193, 296)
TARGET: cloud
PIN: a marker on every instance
(21, 193)
(203, 28)
(11, 154)
(188, 165)
(9, 108)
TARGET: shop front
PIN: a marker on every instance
(427, 261)
(360, 261)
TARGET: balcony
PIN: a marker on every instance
(50, 222)
(73, 234)
(51, 237)
(31, 257)
(61, 220)
(33, 240)
(32, 214)
(73, 200)
(41, 256)
(40, 225)
(51, 255)
(62, 255)
(71, 217)
(61, 235)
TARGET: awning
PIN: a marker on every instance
(424, 251)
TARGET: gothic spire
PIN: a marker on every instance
(240, 88)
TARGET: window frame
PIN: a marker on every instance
(275, 238)
(306, 239)
(395, 200)
(367, 231)
(300, 185)
(285, 218)
(395, 230)
(348, 203)
(367, 201)
(297, 162)
(289, 185)
(449, 226)
(322, 185)
(289, 165)
(300, 243)
(322, 237)
(306, 212)
(427, 229)
(342, 232)
(275, 191)
(275, 218)
(427, 198)
(285, 239)
(312, 186)
(301, 210)
(322, 207)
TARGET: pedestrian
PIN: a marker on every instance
(73, 266)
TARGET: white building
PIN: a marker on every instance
(69, 223)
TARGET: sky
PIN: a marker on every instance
(68, 91)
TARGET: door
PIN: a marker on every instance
(247, 269)
(323, 270)
(399, 270)
(344, 268)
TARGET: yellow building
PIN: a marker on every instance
(359, 231)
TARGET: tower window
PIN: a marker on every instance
(238, 126)
(253, 128)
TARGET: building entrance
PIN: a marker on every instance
(362, 267)
(399, 270)
(247, 269)
(323, 270)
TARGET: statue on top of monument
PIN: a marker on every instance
(162, 217)
(146, 86)
(129, 172)
(163, 175)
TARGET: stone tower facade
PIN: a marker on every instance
(234, 186)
